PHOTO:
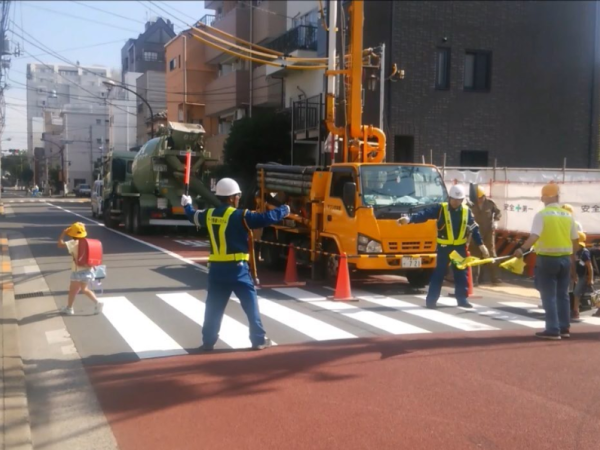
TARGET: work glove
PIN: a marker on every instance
(186, 200)
(403, 220)
(484, 251)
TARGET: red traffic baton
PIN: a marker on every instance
(188, 168)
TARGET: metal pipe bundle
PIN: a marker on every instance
(294, 180)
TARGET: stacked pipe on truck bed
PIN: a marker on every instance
(292, 180)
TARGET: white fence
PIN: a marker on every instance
(517, 193)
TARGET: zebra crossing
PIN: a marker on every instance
(169, 323)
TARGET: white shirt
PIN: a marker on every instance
(538, 223)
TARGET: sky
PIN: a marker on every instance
(91, 32)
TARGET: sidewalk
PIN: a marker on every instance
(14, 413)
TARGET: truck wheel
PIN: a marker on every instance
(330, 264)
(136, 220)
(270, 253)
(108, 221)
(419, 278)
(128, 219)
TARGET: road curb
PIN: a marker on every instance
(14, 411)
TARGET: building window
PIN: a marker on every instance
(150, 56)
(442, 68)
(99, 141)
(173, 64)
(474, 158)
(478, 70)
(98, 121)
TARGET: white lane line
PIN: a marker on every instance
(590, 320)
(429, 314)
(485, 311)
(144, 337)
(233, 333)
(155, 247)
(379, 321)
(303, 323)
(523, 305)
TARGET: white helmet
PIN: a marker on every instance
(457, 192)
(226, 187)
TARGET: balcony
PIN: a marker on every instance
(208, 20)
(266, 91)
(234, 88)
(303, 37)
(235, 22)
(212, 4)
(308, 115)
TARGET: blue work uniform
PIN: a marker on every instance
(228, 265)
(452, 225)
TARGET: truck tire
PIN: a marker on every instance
(136, 220)
(270, 253)
(108, 221)
(330, 264)
(419, 278)
(128, 219)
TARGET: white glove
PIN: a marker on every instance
(287, 210)
(403, 220)
(484, 251)
(186, 200)
(494, 225)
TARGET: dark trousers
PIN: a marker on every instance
(437, 279)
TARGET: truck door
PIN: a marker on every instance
(339, 218)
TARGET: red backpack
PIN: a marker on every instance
(89, 253)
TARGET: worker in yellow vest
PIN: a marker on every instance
(454, 220)
(229, 272)
(555, 237)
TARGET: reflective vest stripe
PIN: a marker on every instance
(462, 235)
(555, 238)
(219, 253)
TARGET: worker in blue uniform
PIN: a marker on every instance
(228, 229)
(454, 220)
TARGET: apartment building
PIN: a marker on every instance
(187, 78)
(514, 83)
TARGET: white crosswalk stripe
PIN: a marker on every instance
(301, 312)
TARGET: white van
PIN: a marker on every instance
(97, 198)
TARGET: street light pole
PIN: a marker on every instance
(111, 84)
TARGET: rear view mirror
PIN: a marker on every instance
(349, 197)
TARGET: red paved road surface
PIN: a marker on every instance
(444, 392)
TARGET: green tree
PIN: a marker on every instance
(262, 138)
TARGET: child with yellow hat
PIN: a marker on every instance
(585, 274)
(80, 275)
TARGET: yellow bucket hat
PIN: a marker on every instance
(77, 231)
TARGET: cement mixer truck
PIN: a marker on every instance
(143, 189)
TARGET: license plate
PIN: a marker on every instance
(183, 153)
(409, 262)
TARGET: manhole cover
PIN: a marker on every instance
(29, 295)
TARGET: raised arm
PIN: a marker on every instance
(260, 220)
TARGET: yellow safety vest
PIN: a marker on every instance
(555, 239)
(462, 235)
(219, 253)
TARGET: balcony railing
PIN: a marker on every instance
(208, 20)
(308, 114)
(303, 37)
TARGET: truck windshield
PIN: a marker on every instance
(388, 185)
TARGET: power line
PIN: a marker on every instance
(108, 12)
(81, 18)
(77, 48)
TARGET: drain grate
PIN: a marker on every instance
(29, 295)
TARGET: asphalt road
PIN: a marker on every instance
(154, 301)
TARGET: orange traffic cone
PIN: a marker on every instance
(291, 272)
(470, 281)
(342, 288)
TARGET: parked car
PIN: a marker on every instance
(83, 190)
(97, 198)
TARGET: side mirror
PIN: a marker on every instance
(349, 197)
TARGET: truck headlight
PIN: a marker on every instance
(368, 245)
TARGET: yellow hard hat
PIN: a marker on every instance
(582, 238)
(567, 207)
(550, 190)
(77, 230)
(480, 192)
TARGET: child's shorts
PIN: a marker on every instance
(83, 275)
(580, 287)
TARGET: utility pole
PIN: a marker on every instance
(381, 84)
(91, 158)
